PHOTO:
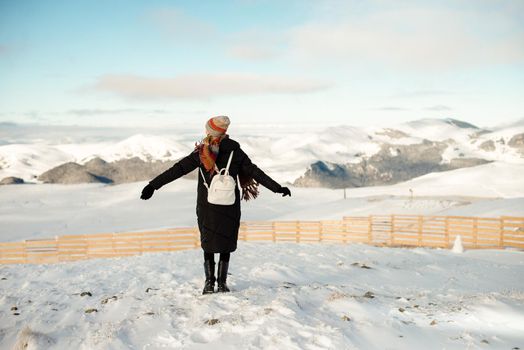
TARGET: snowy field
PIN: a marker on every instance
(284, 296)
(44, 210)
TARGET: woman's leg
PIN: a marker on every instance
(209, 269)
(209, 256)
(223, 266)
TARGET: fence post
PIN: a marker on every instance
(57, 250)
(273, 231)
(346, 230)
(86, 244)
(475, 232)
(113, 243)
(196, 236)
(392, 231)
(321, 231)
(297, 231)
(420, 221)
(370, 229)
(501, 232)
(57, 257)
(446, 230)
(26, 259)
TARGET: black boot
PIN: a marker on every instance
(222, 276)
(209, 269)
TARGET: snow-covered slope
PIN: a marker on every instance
(284, 296)
(495, 179)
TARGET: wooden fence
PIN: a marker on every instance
(388, 230)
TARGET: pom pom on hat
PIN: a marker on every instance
(217, 126)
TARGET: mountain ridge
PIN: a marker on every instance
(287, 155)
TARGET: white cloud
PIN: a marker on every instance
(255, 44)
(180, 25)
(412, 37)
(194, 86)
(251, 52)
(391, 109)
(438, 108)
(85, 112)
(423, 93)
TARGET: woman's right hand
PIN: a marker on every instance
(147, 192)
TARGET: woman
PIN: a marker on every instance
(218, 224)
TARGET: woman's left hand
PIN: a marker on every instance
(285, 191)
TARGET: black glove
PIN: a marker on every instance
(147, 192)
(285, 191)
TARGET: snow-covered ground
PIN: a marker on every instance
(284, 296)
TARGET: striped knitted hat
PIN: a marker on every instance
(217, 126)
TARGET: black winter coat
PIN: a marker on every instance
(218, 224)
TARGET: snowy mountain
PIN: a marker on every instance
(28, 161)
(341, 156)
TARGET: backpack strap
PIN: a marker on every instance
(229, 162)
(203, 178)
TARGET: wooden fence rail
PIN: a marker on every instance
(385, 230)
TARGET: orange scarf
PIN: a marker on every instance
(208, 151)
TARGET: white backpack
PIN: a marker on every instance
(221, 191)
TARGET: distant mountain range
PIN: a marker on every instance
(333, 157)
(391, 165)
(465, 145)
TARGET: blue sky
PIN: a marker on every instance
(329, 62)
